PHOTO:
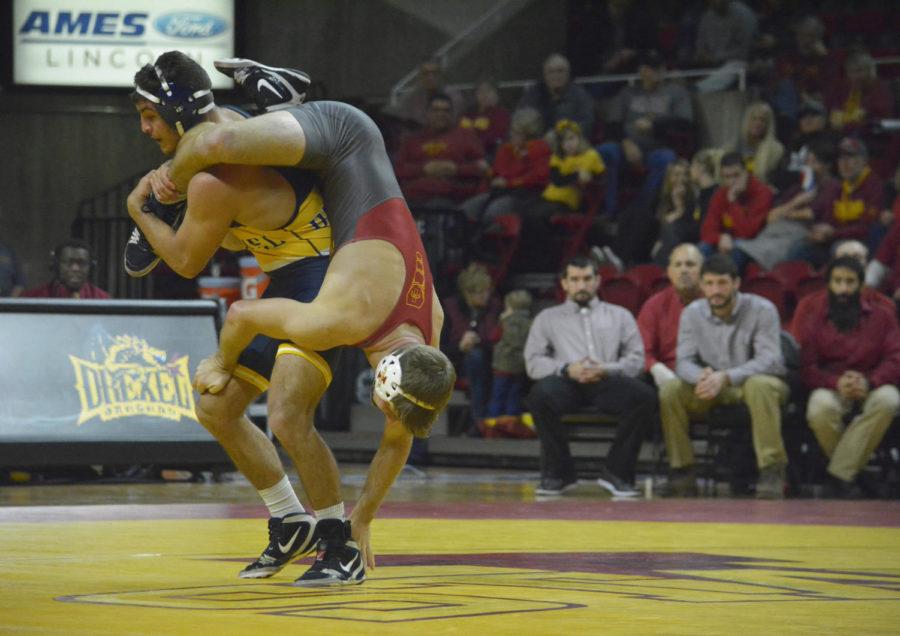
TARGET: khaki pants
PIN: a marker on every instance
(850, 448)
(763, 395)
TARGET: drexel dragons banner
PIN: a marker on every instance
(104, 42)
(99, 374)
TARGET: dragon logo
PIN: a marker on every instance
(129, 377)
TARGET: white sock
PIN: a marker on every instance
(332, 512)
(281, 499)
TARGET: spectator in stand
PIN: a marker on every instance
(658, 319)
(853, 214)
(586, 352)
(737, 210)
(472, 318)
(891, 209)
(724, 37)
(646, 111)
(488, 119)
(795, 211)
(814, 303)
(557, 97)
(12, 281)
(678, 212)
(850, 360)
(801, 73)
(728, 352)
(415, 105)
(573, 166)
(505, 405)
(70, 265)
(858, 99)
(812, 125)
(705, 177)
(442, 163)
(520, 172)
(884, 270)
(757, 144)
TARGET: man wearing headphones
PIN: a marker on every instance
(70, 266)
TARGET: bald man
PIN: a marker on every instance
(658, 320)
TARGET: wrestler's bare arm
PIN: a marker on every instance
(273, 139)
(187, 250)
(386, 465)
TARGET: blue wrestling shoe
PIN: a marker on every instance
(290, 537)
(269, 87)
(139, 258)
(339, 561)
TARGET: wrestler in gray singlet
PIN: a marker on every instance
(346, 149)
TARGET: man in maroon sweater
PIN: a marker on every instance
(442, 161)
(853, 214)
(849, 357)
(658, 319)
(71, 266)
(737, 210)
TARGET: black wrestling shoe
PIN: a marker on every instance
(269, 87)
(139, 258)
(290, 537)
(339, 561)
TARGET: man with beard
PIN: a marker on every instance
(585, 352)
(728, 352)
(850, 359)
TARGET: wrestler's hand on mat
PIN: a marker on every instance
(163, 186)
(211, 375)
(360, 532)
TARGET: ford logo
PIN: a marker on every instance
(190, 24)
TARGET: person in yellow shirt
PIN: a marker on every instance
(573, 166)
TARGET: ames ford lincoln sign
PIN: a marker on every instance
(103, 42)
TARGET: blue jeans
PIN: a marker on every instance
(477, 367)
(656, 162)
(506, 395)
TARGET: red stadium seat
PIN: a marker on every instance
(505, 233)
(789, 273)
(576, 225)
(809, 285)
(649, 277)
(622, 292)
(769, 287)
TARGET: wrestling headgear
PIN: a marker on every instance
(388, 378)
(179, 107)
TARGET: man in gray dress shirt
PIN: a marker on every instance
(585, 352)
(728, 352)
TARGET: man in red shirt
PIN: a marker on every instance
(737, 210)
(813, 304)
(849, 357)
(442, 161)
(71, 267)
(658, 319)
